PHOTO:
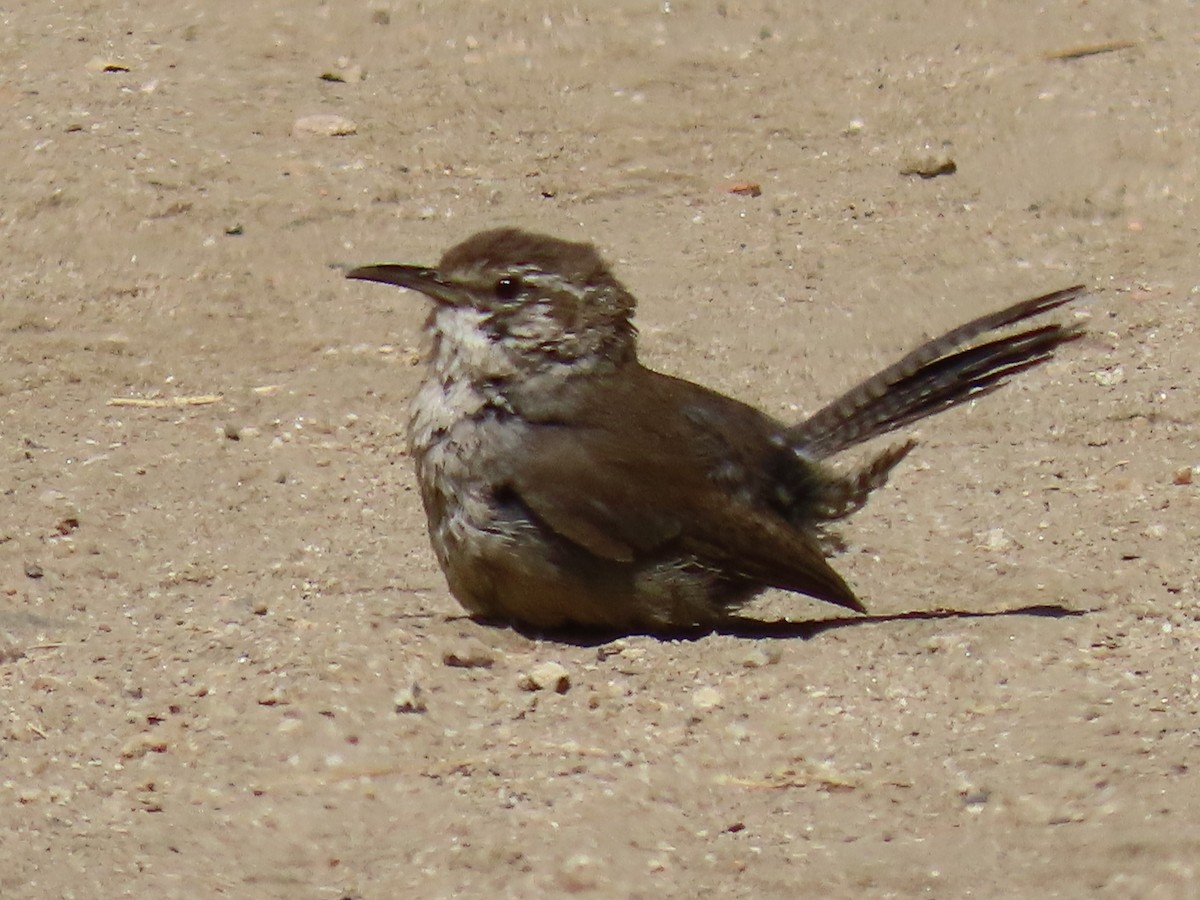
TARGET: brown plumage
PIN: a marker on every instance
(567, 484)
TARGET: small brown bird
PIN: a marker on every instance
(568, 485)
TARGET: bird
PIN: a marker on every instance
(568, 486)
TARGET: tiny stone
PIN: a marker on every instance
(410, 699)
(105, 64)
(614, 648)
(976, 797)
(758, 657)
(1184, 475)
(273, 695)
(468, 655)
(547, 676)
(33, 570)
(706, 698)
(745, 189)
(345, 73)
(579, 873)
(929, 166)
(995, 540)
(324, 124)
(141, 744)
(10, 649)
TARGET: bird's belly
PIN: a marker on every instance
(502, 562)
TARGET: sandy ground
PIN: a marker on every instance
(229, 664)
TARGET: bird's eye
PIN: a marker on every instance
(508, 288)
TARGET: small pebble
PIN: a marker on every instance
(469, 654)
(745, 189)
(105, 64)
(758, 657)
(410, 699)
(579, 873)
(141, 744)
(995, 540)
(345, 72)
(10, 649)
(929, 167)
(324, 124)
(614, 648)
(547, 676)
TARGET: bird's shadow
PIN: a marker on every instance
(784, 629)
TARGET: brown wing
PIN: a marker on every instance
(657, 464)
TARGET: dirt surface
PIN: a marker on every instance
(229, 664)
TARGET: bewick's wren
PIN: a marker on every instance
(567, 484)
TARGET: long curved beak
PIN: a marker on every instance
(415, 278)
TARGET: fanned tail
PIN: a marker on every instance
(939, 374)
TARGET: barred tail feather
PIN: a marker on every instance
(939, 374)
